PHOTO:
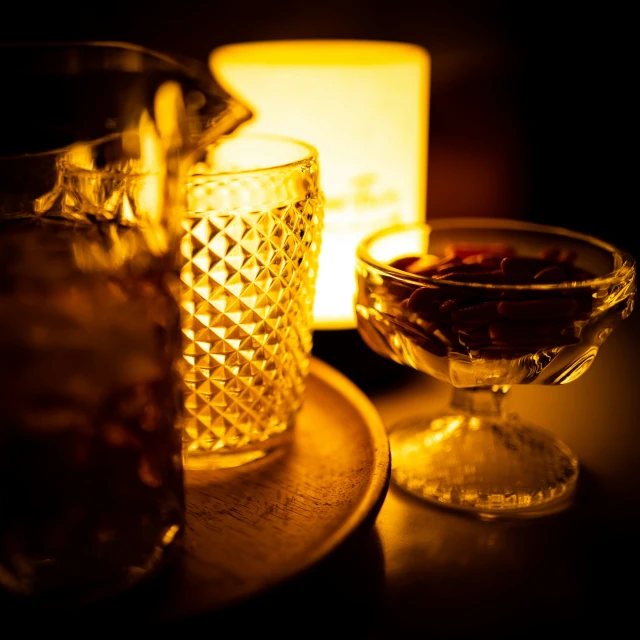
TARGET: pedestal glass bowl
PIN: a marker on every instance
(485, 304)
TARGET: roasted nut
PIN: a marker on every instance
(428, 267)
(462, 267)
(482, 313)
(404, 262)
(544, 308)
(519, 270)
(493, 323)
(447, 307)
(495, 276)
(558, 255)
(491, 262)
(426, 300)
(551, 275)
(467, 249)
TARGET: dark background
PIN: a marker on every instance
(530, 117)
(530, 102)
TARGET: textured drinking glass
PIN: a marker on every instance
(91, 164)
(250, 247)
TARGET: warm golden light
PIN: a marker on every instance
(364, 106)
(251, 239)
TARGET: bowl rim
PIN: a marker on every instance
(625, 270)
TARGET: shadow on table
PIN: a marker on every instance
(549, 576)
(341, 594)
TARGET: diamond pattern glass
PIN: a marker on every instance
(250, 248)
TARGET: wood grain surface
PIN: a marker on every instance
(257, 527)
(249, 529)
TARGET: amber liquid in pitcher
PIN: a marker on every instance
(91, 478)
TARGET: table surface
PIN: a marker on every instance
(421, 571)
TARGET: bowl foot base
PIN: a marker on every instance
(494, 468)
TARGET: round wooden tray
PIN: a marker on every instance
(252, 528)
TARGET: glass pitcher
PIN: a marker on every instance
(95, 140)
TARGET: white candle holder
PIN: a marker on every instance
(364, 105)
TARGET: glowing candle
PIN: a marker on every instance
(364, 105)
